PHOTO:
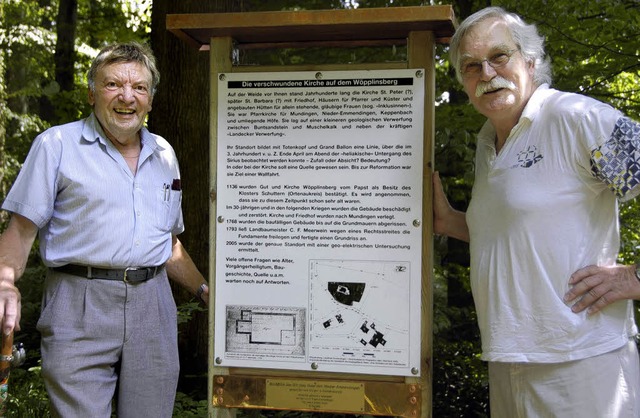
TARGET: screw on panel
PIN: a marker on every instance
(220, 219)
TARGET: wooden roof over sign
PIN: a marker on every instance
(374, 25)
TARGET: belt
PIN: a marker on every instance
(129, 274)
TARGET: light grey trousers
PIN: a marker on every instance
(604, 386)
(103, 336)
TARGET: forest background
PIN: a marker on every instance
(46, 47)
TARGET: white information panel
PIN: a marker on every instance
(319, 223)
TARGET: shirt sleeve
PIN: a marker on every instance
(34, 190)
(617, 161)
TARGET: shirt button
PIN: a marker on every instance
(137, 213)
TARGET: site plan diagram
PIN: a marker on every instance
(350, 319)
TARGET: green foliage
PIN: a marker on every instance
(27, 395)
(460, 381)
(28, 39)
(593, 47)
(101, 22)
(187, 407)
(27, 61)
(187, 310)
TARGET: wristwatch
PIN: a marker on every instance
(204, 286)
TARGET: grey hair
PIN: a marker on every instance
(526, 36)
(125, 52)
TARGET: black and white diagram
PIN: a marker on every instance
(265, 331)
(351, 316)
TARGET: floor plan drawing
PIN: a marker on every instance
(265, 331)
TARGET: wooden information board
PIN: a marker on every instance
(320, 232)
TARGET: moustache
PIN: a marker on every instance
(494, 84)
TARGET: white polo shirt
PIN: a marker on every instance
(90, 208)
(540, 210)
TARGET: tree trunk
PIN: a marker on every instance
(457, 252)
(64, 56)
(181, 115)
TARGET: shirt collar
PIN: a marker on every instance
(531, 110)
(93, 132)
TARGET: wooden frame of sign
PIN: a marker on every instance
(419, 28)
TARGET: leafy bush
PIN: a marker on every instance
(186, 406)
(27, 396)
(460, 381)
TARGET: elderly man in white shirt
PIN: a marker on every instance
(554, 310)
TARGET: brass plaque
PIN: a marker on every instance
(316, 395)
(322, 395)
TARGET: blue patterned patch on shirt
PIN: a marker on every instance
(617, 161)
(529, 156)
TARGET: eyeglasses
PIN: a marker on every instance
(499, 60)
